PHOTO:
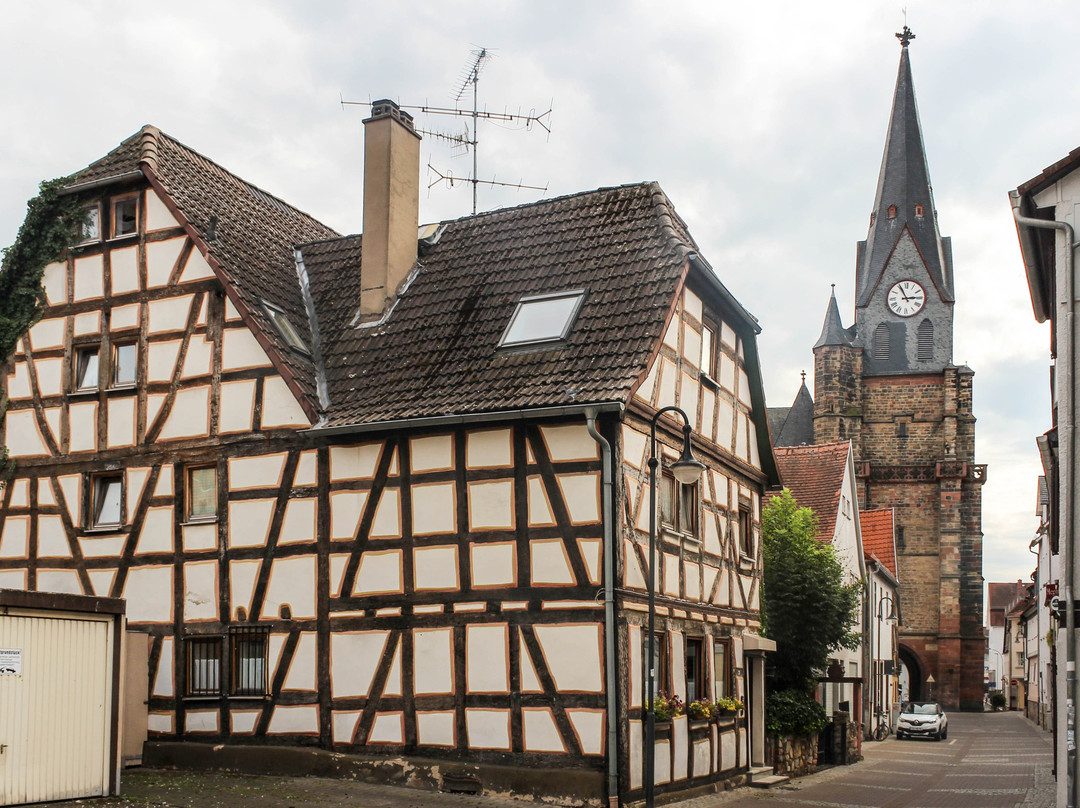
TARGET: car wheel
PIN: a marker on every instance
(945, 733)
(900, 736)
(939, 736)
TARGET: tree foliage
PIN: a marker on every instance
(50, 227)
(806, 605)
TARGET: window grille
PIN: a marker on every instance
(881, 342)
(203, 666)
(249, 660)
(926, 341)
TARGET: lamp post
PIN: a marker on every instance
(687, 469)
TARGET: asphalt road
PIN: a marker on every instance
(991, 760)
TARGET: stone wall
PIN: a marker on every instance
(794, 755)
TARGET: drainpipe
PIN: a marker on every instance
(609, 609)
(1067, 424)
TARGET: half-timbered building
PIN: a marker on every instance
(387, 495)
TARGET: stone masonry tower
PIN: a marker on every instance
(889, 384)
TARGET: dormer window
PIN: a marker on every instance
(125, 215)
(542, 319)
(285, 327)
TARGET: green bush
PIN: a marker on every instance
(794, 712)
(998, 700)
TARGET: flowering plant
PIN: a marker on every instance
(667, 707)
(728, 704)
(700, 709)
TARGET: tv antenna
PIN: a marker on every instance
(470, 76)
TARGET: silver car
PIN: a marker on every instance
(924, 718)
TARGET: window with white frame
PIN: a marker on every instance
(542, 319)
(124, 358)
(85, 368)
(106, 501)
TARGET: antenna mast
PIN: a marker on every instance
(473, 77)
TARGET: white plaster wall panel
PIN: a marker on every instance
(647, 389)
(680, 741)
(124, 317)
(237, 406)
(434, 509)
(201, 721)
(346, 508)
(489, 448)
(436, 728)
(190, 415)
(392, 685)
(719, 488)
(338, 564)
(671, 575)
(299, 522)
(589, 727)
(692, 580)
(541, 734)
(549, 564)
(164, 486)
(280, 407)
(387, 521)
(49, 376)
(45, 334)
(493, 565)
(431, 453)
(196, 268)
(708, 580)
(666, 389)
(744, 388)
(242, 576)
(82, 418)
(12, 579)
(161, 260)
(707, 425)
(727, 373)
(710, 535)
(433, 661)
(568, 442)
(18, 383)
(688, 396)
(530, 681)
(249, 522)
(691, 347)
(89, 278)
(581, 493)
(65, 581)
(160, 722)
(727, 335)
(741, 448)
(306, 469)
(635, 445)
(633, 575)
(634, 645)
(163, 680)
(572, 652)
(197, 362)
(725, 416)
(491, 505)
(200, 590)
(379, 573)
(156, 535)
(301, 675)
(101, 581)
(354, 462)
(44, 489)
(387, 728)
(54, 281)
(168, 314)
(98, 546)
(300, 719)
(70, 486)
(88, 323)
(540, 512)
(354, 657)
(755, 599)
(260, 471)
(737, 591)
(292, 582)
(158, 217)
(727, 750)
(149, 594)
(231, 312)
(22, 435)
(642, 522)
(487, 663)
(636, 754)
(691, 305)
(121, 421)
(240, 349)
(199, 537)
(200, 318)
(487, 729)
(435, 568)
(671, 333)
(52, 422)
(343, 725)
(755, 455)
(662, 770)
(242, 722)
(161, 360)
(678, 663)
(632, 491)
(20, 492)
(124, 269)
(723, 592)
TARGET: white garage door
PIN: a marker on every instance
(55, 706)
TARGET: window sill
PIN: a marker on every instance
(709, 381)
(104, 530)
(123, 237)
(745, 561)
(193, 522)
(126, 387)
(84, 392)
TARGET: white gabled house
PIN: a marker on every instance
(387, 495)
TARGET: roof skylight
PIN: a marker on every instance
(541, 319)
(284, 325)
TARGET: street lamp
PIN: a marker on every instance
(687, 469)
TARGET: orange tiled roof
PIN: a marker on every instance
(815, 474)
(878, 538)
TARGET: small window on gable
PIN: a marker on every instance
(285, 327)
(892, 211)
(125, 215)
(86, 368)
(540, 319)
(919, 211)
(106, 500)
(123, 367)
(90, 229)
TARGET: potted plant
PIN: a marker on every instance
(728, 705)
(667, 707)
(700, 710)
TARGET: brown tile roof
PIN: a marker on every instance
(815, 474)
(878, 537)
(1001, 595)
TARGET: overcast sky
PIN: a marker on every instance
(764, 125)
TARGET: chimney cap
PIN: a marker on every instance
(385, 108)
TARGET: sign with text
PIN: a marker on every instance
(10, 661)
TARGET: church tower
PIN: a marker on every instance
(888, 383)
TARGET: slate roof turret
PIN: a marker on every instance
(833, 331)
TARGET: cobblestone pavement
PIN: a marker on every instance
(992, 760)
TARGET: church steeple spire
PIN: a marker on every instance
(833, 331)
(904, 198)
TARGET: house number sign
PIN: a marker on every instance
(10, 661)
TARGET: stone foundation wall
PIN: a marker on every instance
(795, 755)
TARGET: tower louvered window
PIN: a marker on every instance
(926, 341)
(881, 342)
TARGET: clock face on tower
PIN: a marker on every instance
(906, 298)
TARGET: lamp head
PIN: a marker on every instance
(687, 469)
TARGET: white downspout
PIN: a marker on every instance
(609, 610)
(1066, 464)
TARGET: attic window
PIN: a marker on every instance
(90, 229)
(125, 215)
(542, 319)
(919, 211)
(285, 327)
(892, 211)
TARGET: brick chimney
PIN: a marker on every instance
(391, 205)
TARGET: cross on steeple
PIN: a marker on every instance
(905, 37)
